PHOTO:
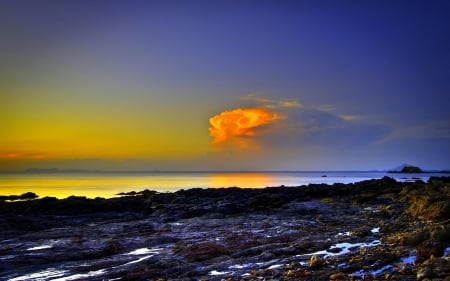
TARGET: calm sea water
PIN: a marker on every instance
(92, 185)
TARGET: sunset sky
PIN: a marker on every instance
(224, 85)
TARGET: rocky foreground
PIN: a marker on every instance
(371, 230)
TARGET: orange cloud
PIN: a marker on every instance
(239, 122)
(19, 155)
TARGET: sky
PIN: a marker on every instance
(224, 85)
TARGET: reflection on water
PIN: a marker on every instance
(108, 185)
(93, 185)
(256, 180)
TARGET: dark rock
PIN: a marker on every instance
(200, 251)
(430, 248)
(436, 210)
(112, 247)
(24, 196)
(441, 232)
(427, 201)
(266, 233)
(338, 276)
(434, 268)
(297, 273)
(415, 238)
(265, 201)
(362, 231)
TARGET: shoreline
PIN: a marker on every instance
(109, 185)
(379, 227)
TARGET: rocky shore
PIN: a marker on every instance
(371, 230)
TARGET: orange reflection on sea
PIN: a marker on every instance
(106, 185)
(89, 185)
(244, 180)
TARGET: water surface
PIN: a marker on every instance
(92, 185)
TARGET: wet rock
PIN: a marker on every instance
(297, 273)
(315, 261)
(111, 247)
(430, 202)
(200, 251)
(414, 238)
(405, 268)
(441, 232)
(245, 234)
(338, 276)
(265, 201)
(430, 248)
(434, 268)
(436, 210)
(361, 231)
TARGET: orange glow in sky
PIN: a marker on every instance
(18, 155)
(239, 122)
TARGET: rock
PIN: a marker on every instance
(265, 201)
(315, 261)
(434, 268)
(200, 251)
(111, 247)
(361, 231)
(427, 202)
(338, 276)
(297, 273)
(247, 234)
(441, 232)
(405, 268)
(24, 196)
(436, 210)
(414, 238)
(430, 248)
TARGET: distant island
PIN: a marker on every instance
(409, 170)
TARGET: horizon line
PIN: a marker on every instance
(57, 170)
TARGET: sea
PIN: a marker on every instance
(110, 184)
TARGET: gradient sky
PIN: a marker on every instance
(132, 85)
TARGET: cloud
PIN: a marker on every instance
(286, 104)
(349, 117)
(308, 128)
(326, 107)
(299, 132)
(241, 122)
(272, 103)
(430, 130)
(22, 155)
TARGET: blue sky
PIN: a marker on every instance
(132, 84)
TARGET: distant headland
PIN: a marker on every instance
(411, 169)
